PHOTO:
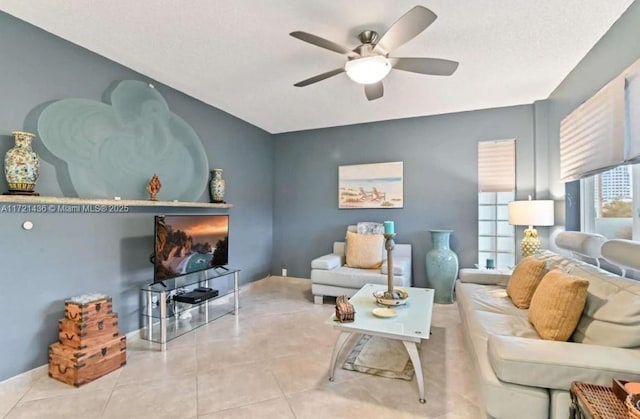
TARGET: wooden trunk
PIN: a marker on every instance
(81, 366)
(86, 308)
(80, 335)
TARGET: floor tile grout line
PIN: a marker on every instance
(197, 376)
(104, 408)
(311, 315)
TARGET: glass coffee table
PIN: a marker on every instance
(411, 324)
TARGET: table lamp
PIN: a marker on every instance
(530, 213)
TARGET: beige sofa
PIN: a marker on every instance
(522, 376)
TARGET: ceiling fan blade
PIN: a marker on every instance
(374, 91)
(405, 29)
(323, 43)
(432, 66)
(319, 77)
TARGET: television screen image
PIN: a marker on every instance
(189, 243)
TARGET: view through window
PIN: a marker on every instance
(608, 204)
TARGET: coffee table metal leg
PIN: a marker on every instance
(412, 349)
(337, 347)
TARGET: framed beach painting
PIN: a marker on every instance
(374, 185)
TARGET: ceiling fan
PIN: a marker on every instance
(369, 62)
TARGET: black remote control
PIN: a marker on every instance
(203, 289)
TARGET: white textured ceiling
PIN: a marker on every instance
(238, 55)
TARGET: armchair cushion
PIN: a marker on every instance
(364, 250)
(327, 262)
(401, 265)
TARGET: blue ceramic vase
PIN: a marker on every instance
(442, 266)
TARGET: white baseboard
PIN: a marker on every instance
(25, 377)
(37, 372)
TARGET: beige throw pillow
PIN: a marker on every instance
(523, 282)
(364, 250)
(557, 305)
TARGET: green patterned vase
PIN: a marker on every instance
(21, 164)
(216, 186)
(442, 267)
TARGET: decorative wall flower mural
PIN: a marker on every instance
(113, 149)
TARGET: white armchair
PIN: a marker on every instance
(330, 276)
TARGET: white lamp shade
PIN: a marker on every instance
(367, 70)
(531, 213)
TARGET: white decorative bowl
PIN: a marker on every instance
(402, 295)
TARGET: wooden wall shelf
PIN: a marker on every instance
(54, 200)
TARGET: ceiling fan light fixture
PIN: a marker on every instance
(367, 70)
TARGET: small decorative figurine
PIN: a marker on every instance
(154, 187)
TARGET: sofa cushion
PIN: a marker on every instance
(487, 323)
(524, 280)
(485, 276)
(500, 399)
(556, 261)
(401, 266)
(355, 278)
(364, 250)
(611, 316)
(491, 298)
(539, 363)
(557, 305)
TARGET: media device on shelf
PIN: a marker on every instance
(196, 296)
(186, 244)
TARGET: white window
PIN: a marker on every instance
(611, 201)
(496, 187)
(600, 145)
(496, 237)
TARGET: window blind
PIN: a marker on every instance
(632, 126)
(497, 166)
(592, 137)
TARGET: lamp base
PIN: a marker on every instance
(530, 243)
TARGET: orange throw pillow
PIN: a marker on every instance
(364, 250)
(557, 305)
(524, 280)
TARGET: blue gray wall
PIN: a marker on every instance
(440, 166)
(615, 51)
(71, 254)
(440, 181)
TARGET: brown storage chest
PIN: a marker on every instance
(86, 308)
(89, 343)
(82, 335)
(81, 366)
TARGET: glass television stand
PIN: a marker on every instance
(164, 318)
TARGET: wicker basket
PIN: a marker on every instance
(632, 400)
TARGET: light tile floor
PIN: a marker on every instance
(269, 361)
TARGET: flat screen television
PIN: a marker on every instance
(186, 244)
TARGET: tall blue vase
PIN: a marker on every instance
(442, 266)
